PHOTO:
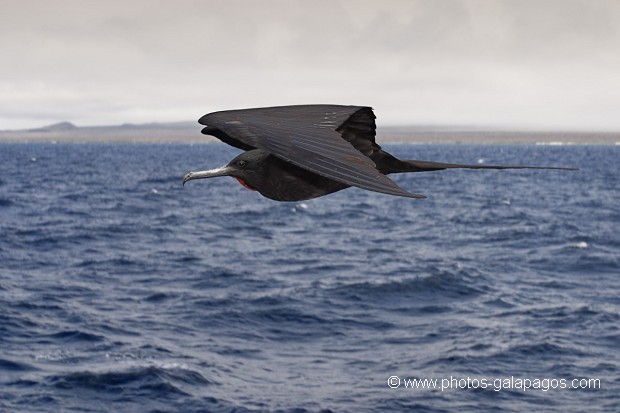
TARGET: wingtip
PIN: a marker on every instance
(207, 130)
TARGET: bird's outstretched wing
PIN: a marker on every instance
(330, 140)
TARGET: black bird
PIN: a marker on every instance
(294, 153)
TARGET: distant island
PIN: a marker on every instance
(189, 132)
(147, 132)
(56, 127)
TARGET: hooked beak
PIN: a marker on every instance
(211, 173)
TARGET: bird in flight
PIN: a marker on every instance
(295, 153)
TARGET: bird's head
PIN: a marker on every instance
(246, 168)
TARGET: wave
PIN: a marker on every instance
(440, 285)
(15, 366)
(158, 380)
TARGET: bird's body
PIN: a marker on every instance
(295, 153)
(287, 182)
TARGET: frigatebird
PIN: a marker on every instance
(300, 152)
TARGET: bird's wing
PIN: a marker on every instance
(224, 137)
(359, 130)
(329, 140)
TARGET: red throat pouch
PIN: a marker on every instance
(242, 182)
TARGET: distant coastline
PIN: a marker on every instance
(189, 132)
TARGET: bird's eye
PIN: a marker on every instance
(241, 164)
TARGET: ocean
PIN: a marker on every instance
(121, 290)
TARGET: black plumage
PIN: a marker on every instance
(300, 152)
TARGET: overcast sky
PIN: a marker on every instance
(514, 63)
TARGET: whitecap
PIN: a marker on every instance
(582, 245)
(171, 365)
(299, 206)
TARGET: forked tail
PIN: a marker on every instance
(421, 166)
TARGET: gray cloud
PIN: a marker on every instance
(545, 64)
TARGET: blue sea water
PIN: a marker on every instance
(121, 290)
